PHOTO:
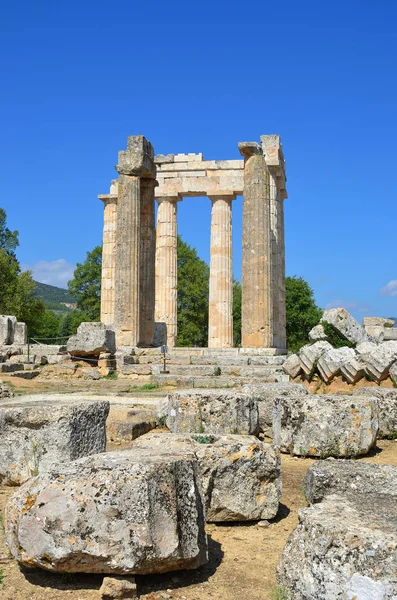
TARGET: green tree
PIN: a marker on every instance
(236, 313)
(193, 291)
(8, 239)
(86, 284)
(302, 312)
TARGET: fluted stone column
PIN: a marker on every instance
(166, 266)
(147, 262)
(257, 296)
(134, 163)
(108, 256)
(220, 326)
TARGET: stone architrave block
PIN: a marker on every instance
(347, 478)
(240, 475)
(21, 334)
(218, 411)
(345, 325)
(378, 322)
(325, 425)
(342, 549)
(7, 330)
(317, 333)
(44, 430)
(265, 394)
(331, 362)
(387, 402)
(292, 366)
(129, 512)
(353, 369)
(92, 339)
(379, 359)
(310, 354)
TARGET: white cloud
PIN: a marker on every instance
(56, 272)
(390, 289)
(347, 305)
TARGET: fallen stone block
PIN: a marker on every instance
(347, 478)
(265, 394)
(216, 411)
(240, 475)
(91, 374)
(310, 354)
(387, 403)
(331, 362)
(353, 369)
(5, 391)
(92, 339)
(345, 325)
(317, 333)
(378, 322)
(128, 512)
(292, 366)
(118, 588)
(325, 425)
(130, 429)
(7, 330)
(393, 373)
(342, 549)
(20, 334)
(37, 432)
(378, 360)
(390, 334)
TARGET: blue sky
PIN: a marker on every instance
(79, 77)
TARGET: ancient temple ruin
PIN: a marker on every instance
(139, 265)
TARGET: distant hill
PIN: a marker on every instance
(55, 298)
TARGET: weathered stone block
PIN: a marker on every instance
(317, 333)
(21, 334)
(240, 476)
(390, 333)
(378, 322)
(7, 329)
(216, 411)
(5, 391)
(138, 159)
(330, 362)
(325, 425)
(39, 431)
(292, 366)
(387, 403)
(379, 359)
(92, 339)
(353, 369)
(393, 373)
(132, 512)
(118, 588)
(265, 395)
(342, 549)
(310, 354)
(345, 325)
(347, 478)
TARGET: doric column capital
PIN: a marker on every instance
(108, 198)
(225, 196)
(138, 159)
(170, 199)
(248, 149)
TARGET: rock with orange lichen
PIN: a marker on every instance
(240, 475)
(129, 512)
(325, 425)
(387, 401)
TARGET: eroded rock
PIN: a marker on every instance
(129, 512)
(92, 339)
(345, 325)
(387, 402)
(331, 362)
(309, 356)
(292, 366)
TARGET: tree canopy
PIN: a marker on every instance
(86, 284)
(302, 312)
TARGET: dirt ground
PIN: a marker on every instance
(242, 557)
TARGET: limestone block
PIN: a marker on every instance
(292, 366)
(132, 512)
(342, 549)
(353, 369)
(118, 588)
(5, 391)
(390, 333)
(345, 325)
(21, 333)
(160, 334)
(7, 330)
(310, 354)
(378, 322)
(379, 359)
(365, 348)
(330, 362)
(265, 395)
(325, 425)
(349, 479)
(317, 333)
(218, 411)
(387, 402)
(42, 430)
(138, 159)
(377, 333)
(393, 373)
(240, 476)
(91, 340)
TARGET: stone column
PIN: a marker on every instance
(167, 266)
(257, 297)
(108, 256)
(276, 258)
(220, 327)
(147, 262)
(134, 163)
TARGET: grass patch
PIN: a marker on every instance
(1, 576)
(392, 435)
(336, 339)
(146, 387)
(280, 592)
(111, 376)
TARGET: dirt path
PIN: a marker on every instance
(242, 564)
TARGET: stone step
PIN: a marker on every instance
(10, 367)
(216, 371)
(25, 374)
(216, 382)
